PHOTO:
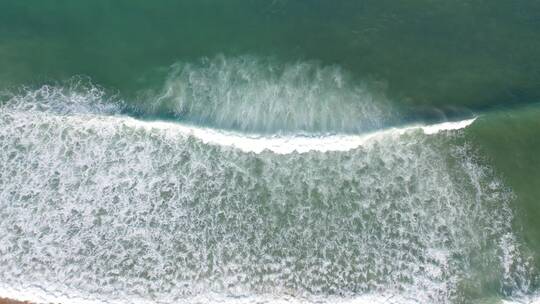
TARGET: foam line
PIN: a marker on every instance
(279, 144)
(38, 296)
(291, 143)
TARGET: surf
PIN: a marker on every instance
(103, 207)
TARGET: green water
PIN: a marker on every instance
(509, 141)
(454, 214)
(470, 54)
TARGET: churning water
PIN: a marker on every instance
(100, 206)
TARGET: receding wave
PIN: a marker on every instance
(260, 95)
(102, 207)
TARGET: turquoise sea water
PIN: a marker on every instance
(270, 151)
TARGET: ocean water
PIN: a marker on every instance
(270, 151)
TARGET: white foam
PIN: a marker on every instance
(74, 170)
(280, 144)
(289, 144)
(527, 300)
(445, 126)
(97, 171)
(38, 296)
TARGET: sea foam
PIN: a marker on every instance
(99, 207)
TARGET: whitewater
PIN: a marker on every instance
(101, 207)
(249, 188)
